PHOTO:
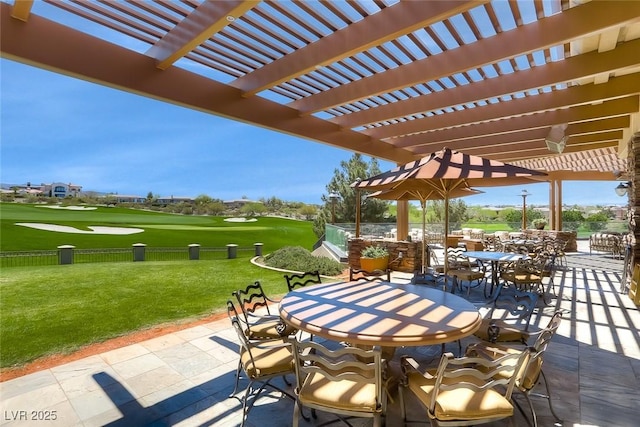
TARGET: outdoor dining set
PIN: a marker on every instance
(339, 347)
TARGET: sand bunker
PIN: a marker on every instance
(94, 230)
(70, 208)
(240, 219)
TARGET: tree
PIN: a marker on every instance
(457, 212)
(216, 207)
(308, 211)
(253, 209)
(151, 199)
(273, 204)
(597, 221)
(371, 210)
(572, 218)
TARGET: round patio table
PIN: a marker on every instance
(380, 313)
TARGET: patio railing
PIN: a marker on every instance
(70, 255)
(339, 234)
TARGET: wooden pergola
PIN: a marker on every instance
(516, 81)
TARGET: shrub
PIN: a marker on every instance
(539, 223)
(374, 252)
(297, 258)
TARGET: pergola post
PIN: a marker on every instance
(402, 219)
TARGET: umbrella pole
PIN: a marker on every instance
(446, 234)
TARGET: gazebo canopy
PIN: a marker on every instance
(391, 79)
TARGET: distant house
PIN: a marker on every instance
(60, 189)
(55, 189)
(124, 198)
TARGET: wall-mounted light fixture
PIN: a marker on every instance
(623, 188)
(334, 198)
(556, 140)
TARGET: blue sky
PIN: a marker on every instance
(58, 129)
(55, 128)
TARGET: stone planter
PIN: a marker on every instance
(371, 264)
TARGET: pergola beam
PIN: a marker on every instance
(388, 24)
(552, 31)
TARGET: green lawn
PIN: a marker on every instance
(58, 309)
(160, 229)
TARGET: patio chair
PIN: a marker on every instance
(347, 382)
(302, 279)
(266, 326)
(509, 317)
(532, 372)
(527, 273)
(462, 269)
(260, 361)
(462, 391)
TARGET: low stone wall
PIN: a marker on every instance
(571, 237)
(411, 253)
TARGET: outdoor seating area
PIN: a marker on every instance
(185, 378)
(465, 327)
(611, 243)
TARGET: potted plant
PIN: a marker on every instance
(539, 223)
(374, 258)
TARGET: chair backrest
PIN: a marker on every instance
(456, 258)
(369, 276)
(477, 374)
(239, 327)
(534, 364)
(252, 298)
(346, 363)
(302, 279)
(543, 338)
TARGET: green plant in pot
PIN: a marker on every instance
(374, 258)
(539, 223)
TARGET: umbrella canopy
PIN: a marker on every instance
(446, 171)
(406, 190)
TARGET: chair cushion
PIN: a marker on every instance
(532, 374)
(345, 394)
(533, 368)
(508, 332)
(263, 330)
(465, 274)
(460, 403)
(513, 277)
(268, 360)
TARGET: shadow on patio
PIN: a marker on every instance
(184, 378)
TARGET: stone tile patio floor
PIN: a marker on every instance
(184, 378)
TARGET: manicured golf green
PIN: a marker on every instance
(160, 229)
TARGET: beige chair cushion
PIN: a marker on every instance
(460, 403)
(263, 330)
(508, 332)
(465, 274)
(530, 378)
(345, 394)
(269, 360)
(514, 277)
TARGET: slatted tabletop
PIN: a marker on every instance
(380, 313)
